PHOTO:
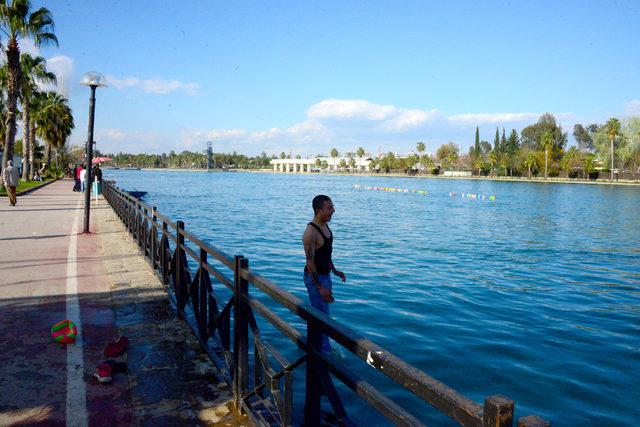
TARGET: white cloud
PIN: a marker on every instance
(112, 135)
(63, 67)
(156, 86)
(478, 118)
(349, 109)
(266, 134)
(349, 123)
(304, 129)
(632, 107)
(113, 140)
(389, 117)
(410, 119)
(27, 46)
(197, 137)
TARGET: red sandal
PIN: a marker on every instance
(103, 373)
(117, 347)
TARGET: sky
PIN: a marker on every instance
(306, 76)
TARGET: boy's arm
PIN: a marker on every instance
(338, 273)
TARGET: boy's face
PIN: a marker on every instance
(326, 211)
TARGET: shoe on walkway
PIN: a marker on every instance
(103, 373)
(117, 347)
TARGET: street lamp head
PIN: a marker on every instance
(93, 79)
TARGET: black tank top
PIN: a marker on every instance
(322, 259)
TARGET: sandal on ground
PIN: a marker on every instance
(117, 347)
(103, 373)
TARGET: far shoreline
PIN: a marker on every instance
(394, 175)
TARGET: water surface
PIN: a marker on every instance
(534, 295)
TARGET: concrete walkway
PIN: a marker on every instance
(50, 271)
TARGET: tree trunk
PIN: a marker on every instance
(26, 140)
(13, 63)
(48, 155)
(32, 143)
(612, 159)
(546, 161)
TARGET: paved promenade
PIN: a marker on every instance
(50, 271)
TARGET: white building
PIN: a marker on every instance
(307, 165)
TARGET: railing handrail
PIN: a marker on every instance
(437, 394)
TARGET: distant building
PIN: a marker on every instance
(309, 165)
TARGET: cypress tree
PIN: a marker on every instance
(476, 146)
(496, 141)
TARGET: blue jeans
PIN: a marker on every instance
(318, 302)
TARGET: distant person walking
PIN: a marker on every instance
(97, 173)
(10, 178)
(318, 246)
(82, 176)
(76, 178)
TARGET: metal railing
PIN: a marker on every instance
(224, 329)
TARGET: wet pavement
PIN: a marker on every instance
(44, 259)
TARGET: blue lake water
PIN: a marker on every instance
(534, 295)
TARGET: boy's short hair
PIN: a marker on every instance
(318, 202)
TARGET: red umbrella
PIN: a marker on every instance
(101, 159)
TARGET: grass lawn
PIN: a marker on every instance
(24, 185)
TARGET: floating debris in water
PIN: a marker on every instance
(392, 189)
(472, 196)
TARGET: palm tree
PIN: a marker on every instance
(33, 69)
(35, 105)
(352, 163)
(493, 159)
(3, 109)
(613, 130)
(18, 21)
(420, 147)
(334, 154)
(547, 143)
(530, 162)
(3, 117)
(360, 154)
(55, 122)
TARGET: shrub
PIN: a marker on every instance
(52, 172)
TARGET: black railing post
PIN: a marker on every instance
(130, 209)
(177, 275)
(240, 332)
(497, 412)
(163, 253)
(139, 223)
(143, 235)
(313, 383)
(202, 297)
(154, 234)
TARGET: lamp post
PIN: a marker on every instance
(93, 80)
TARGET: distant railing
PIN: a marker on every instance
(223, 330)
